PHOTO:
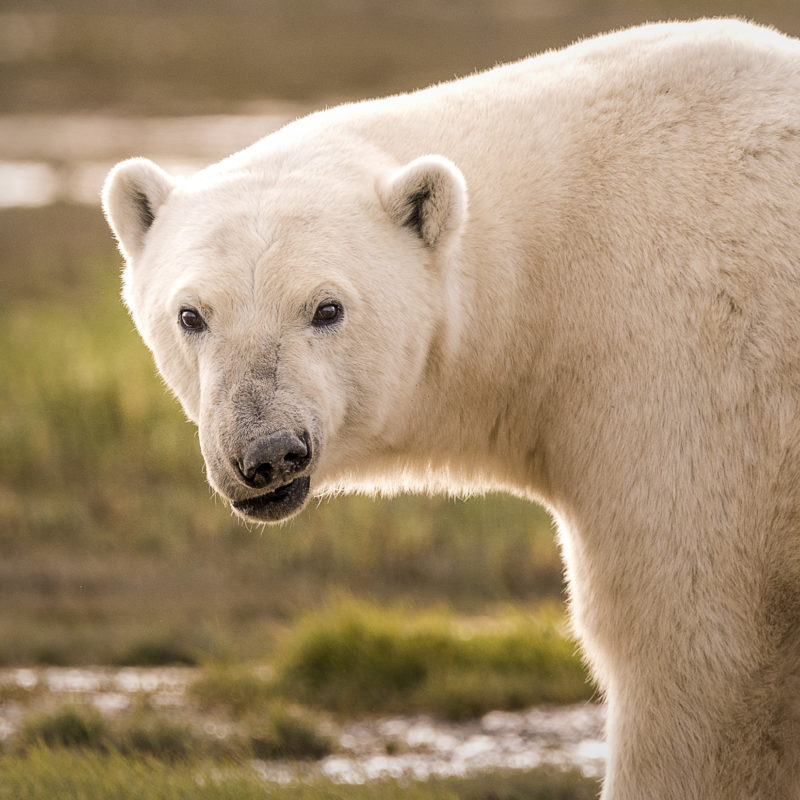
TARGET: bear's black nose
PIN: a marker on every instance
(274, 459)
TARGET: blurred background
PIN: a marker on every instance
(112, 549)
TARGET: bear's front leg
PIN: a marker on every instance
(699, 718)
(661, 747)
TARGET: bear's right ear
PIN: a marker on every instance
(134, 192)
(429, 197)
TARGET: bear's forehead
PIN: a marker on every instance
(294, 218)
(230, 255)
(256, 233)
(223, 207)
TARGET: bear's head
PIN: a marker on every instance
(290, 303)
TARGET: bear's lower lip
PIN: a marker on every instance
(276, 505)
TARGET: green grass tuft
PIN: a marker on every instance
(142, 733)
(239, 691)
(273, 729)
(287, 733)
(155, 736)
(360, 658)
(68, 727)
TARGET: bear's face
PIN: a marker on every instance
(292, 317)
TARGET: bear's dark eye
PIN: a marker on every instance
(327, 313)
(191, 320)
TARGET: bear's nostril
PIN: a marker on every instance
(261, 476)
(297, 453)
(255, 475)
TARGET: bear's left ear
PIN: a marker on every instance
(133, 194)
(428, 196)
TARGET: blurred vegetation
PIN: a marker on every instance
(353, 661)
(72, 750)
(356, 659)
(278, 731)
(94, 776)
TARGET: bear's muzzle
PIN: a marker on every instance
(275, 462)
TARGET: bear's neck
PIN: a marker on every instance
(483, 400)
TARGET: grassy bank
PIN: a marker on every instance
(350, 660)
(356, 659)
(90, 776)
(202, 739)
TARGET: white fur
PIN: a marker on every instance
(599, 307)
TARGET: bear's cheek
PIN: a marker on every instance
(180, 371)
(177, 363)
(384, 371)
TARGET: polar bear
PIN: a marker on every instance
(575, 278)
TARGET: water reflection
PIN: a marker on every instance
(47, 159)
(423, 747)
(371, 748)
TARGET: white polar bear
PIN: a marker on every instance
(575, 278)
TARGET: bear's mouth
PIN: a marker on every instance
(276, 505)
